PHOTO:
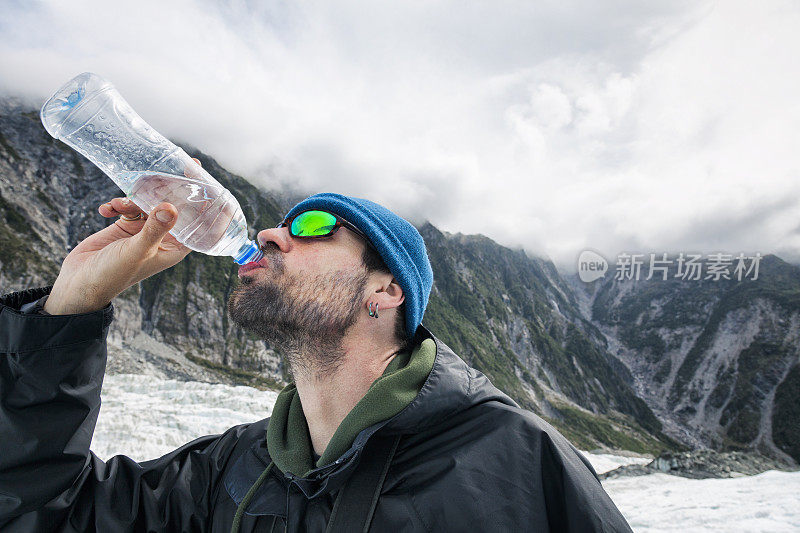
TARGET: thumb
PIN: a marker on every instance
(157, 225)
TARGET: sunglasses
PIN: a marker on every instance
(315, 224)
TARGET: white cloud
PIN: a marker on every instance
(617, 126)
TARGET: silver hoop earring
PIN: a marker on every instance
(373, 312)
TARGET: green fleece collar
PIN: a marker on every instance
(289, 441)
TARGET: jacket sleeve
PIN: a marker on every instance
(51, 373)
(574, 497)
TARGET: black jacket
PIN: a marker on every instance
(469, 459)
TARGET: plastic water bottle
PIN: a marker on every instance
(89, 115)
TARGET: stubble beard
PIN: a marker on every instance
(303, 318)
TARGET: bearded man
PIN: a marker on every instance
(382, 428)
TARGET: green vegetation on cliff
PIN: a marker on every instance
(786, 414)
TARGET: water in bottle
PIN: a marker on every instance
(89, 115)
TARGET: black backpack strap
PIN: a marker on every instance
(352, 512)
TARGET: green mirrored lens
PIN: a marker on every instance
(313, 224)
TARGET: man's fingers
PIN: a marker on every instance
(120, 206)
(157, 225)
(193, 172)
(107, 210)
(124, 206)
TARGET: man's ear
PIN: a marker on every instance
(391, 295)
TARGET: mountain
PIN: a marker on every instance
(716, 360)
(512, 316)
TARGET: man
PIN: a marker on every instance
(383, 428)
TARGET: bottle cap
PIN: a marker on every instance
(248, 253)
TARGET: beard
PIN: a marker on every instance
(304, 318)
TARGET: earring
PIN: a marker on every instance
(373, 312)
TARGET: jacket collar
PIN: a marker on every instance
(288, 437)
(452, 386)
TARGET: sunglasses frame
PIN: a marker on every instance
(340, 222)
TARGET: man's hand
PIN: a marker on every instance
(108, 262)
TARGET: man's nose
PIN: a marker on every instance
(279, 236)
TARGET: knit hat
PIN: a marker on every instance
(398, 242)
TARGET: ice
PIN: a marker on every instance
(604, 462)
(660, 502)
(145, 417)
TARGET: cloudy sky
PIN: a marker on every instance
(554, 126)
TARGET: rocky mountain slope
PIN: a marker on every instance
(717, 361)
(515, 319)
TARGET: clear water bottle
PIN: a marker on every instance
(89, 115)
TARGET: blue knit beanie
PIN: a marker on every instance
(398, 242)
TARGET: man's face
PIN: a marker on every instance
(304, 296)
